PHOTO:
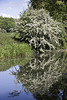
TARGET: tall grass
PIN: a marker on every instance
(9, 48)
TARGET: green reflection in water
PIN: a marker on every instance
(45, 76)
(7, 63)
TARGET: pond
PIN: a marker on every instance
(44, 77)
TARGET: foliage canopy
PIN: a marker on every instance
(57, 8)
(7, 23)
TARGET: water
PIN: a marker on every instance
(44, 77)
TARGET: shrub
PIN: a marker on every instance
(40, 30)
(7, 23)
(2, 30)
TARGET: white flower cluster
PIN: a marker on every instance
(40, 30)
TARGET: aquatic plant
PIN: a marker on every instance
(10, 48)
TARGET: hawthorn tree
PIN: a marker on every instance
(40, 30)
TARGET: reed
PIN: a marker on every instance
(9, 48)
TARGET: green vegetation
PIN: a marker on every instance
(7, 63)
(44, 29)
(35, 27)
(40, 30)
(9, 48)
(6, 24)
(57, 8)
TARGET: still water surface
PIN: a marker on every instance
(44, 77)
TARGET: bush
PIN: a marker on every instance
(2, 30)
(40, 30)
(7, 23)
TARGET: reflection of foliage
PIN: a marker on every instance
(6, 64)
(40, 75)
(14, 93)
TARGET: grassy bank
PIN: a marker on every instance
(9, 48)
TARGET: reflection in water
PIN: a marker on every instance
(7, 63)
(14, 93)
(45, 76)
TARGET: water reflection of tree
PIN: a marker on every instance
(42, 76)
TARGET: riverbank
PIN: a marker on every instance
(10, 48)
